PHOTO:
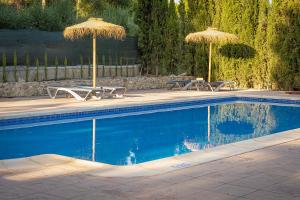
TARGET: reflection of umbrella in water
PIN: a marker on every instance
(196, 146)
(208, 145)
(210, 35)
(95, 27)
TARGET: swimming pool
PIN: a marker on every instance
(132, 135)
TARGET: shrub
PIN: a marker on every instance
(65, 64)
(103, 63)
(4, 60)
(121, 16)
(90, 7)
(110, 65)
(81, 66)
(15, 63)
(27, 61)
(56, 68)
(58, 16)
(37, 64)
(53, 18)
(46, 65)
(89, 67)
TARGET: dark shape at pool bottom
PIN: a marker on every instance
(235, 128)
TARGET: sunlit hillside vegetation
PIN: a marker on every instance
(55, 15)
(266, 56)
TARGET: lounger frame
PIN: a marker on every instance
(89, 92)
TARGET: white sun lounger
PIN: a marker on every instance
(82, 93)
(116, 92)
(74, 91)
(197, 83)
(216, 86)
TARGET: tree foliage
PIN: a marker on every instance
(55, 15)
(267, 55)
(284, 43)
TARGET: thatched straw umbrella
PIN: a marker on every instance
(95, 27)
(210, 35)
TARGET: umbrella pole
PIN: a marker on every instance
(94, 62)
(209, 63)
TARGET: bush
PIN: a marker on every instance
(53, 18)
(121, 16)
(59, 14)
(7, 17)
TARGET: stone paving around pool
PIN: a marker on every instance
(262, 168)
(269, 173)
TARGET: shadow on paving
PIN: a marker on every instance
(270, 173)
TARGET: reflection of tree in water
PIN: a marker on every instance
(257, 118)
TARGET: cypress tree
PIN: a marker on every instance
(261, 72)
(284, 41)
(155, 36)
(143, 20)
(163, 18)
(183, 47)
(158, 34)
(172, 39)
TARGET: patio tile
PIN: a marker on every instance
(9, 196)
(258, 181)
(214, 196)
(36, 174)
(142, 186)
(96, 185)
(66, 192)
(226, 176)
(41, 187)
(19, 164)
(291, 187)
(281, 171)
(125, 171)
(204, 183)
(237, 191)
(15, 192)
(173, 177)
(99, 196)
(179, 193)
(165, 165)
(41, 196)
(196, 171)
(265, 195)
(49, 160)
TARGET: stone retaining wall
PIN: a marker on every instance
(27, 89)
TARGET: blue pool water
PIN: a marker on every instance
(132, 139)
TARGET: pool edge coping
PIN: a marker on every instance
(162, 101)
(154, 167)
(101, 107)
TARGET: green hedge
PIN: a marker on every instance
(267, 55)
